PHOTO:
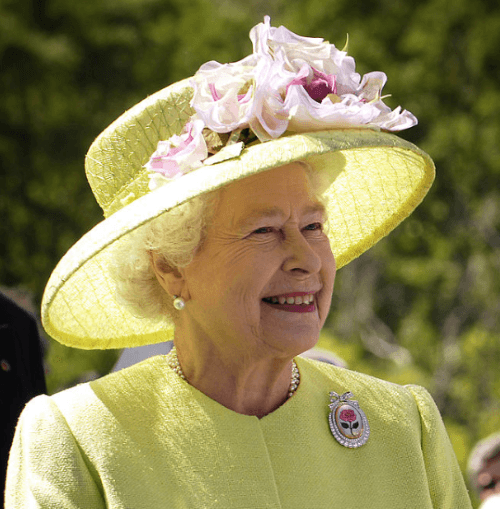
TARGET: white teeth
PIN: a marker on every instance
(304, 299)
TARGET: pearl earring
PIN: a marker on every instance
(179, 303)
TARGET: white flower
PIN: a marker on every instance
(178, 155)
(294, 51)
(319, 87)
(291, 83)
(223, 93)
(270, 116)
(239, 95)
(279, 43)
(360, 106)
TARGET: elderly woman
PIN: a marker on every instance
(230, 200)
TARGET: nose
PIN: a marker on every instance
(301, 258)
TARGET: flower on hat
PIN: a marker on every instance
(289, 83)
(282, 44)
(320, 87)
(239, 95)
(178, 155)
(223, 93)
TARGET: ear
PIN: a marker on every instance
(170, 278)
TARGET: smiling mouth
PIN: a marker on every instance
(297, 303)
(305, 299)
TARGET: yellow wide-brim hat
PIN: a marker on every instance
(376, 180)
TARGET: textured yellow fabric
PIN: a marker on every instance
(373, 180)
(144, 438)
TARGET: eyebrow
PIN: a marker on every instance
(271, 212)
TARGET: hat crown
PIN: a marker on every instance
(114, 164)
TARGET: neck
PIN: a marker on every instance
(249, 386)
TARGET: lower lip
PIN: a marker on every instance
(293, 308)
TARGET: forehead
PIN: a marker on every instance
(270, 193)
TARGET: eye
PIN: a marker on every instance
(264, 229)
(314, 226)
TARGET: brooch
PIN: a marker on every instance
(348, 422)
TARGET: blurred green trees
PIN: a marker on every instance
(423, 306)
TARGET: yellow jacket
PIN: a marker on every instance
(144, 438)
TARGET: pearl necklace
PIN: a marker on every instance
(173, 362)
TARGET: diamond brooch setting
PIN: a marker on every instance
(348, 422)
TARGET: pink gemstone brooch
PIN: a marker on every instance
(348, 422)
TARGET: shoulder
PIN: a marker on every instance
(96, 403)
(88, 404)
(135, 383)
(41, 428)
(45, 417)
(389, 402)
(47, 466)
(328, 374)
(39, 410)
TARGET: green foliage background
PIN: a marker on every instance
(422, 307)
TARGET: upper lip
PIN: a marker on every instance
(291, 294)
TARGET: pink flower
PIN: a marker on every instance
(348, 415)
(178, 155)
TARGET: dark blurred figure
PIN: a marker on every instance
(21, 372)
(484, 471)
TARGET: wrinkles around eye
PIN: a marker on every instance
(314, 226)
(264, 229)
(317, 227)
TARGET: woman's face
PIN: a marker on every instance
(266, 244)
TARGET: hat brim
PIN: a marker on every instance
(376, 180)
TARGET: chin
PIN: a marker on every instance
(292, 345)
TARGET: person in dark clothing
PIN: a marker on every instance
(21, 371)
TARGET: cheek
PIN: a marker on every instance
(332, 267)
(328, 263)
(328, 273)
(235, 274)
